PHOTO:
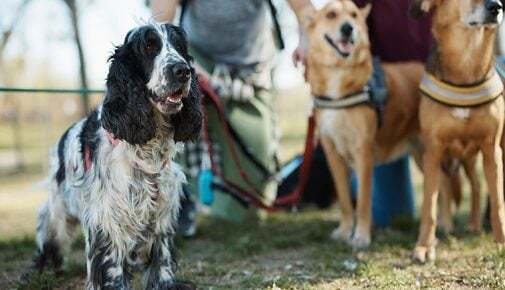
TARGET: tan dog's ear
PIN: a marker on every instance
(308, 18)
(366, 10)
(420, 8)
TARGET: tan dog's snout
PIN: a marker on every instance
(347, 31)
(494, 11)
(338, 32)
(494, 7)
(473, 13)
(346, 37)
(488, 12)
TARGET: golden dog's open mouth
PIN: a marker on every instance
(344, 46)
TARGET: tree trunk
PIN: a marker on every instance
(7, 33)
(14, 120)
(72, 6)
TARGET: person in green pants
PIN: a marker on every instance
(233, 42)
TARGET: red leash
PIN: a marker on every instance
(291, 199)
(294, 197)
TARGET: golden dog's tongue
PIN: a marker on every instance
(345, 46)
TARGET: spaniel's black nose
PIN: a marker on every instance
(181, 71)
(493, 7)
(346, 29)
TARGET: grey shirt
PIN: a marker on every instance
(232, 32)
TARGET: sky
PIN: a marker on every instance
(43, 38)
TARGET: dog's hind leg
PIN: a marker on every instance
(340, 173)
(55, 230)
(471, 173)
(446, 199)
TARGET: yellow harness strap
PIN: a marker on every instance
(462, 96)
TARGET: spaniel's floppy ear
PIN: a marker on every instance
(126, 112)
(188, 122)
(420, 8)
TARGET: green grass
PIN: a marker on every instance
(293, 251)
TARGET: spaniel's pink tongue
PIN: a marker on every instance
(345, 46)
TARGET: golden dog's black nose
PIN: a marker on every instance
(493, 7)
(346, 29)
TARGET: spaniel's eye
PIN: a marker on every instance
(151, 46)
(331, 15)
(354, 15)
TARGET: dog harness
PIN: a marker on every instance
(374, 94)
(348, 101)
(462, 96)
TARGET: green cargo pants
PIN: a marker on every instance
(255, 123)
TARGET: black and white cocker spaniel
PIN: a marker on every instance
(113, 172)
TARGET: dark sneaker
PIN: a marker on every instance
(187, 215)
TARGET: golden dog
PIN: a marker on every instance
(462, 63)
(339, 65)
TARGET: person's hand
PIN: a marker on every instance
(300, 54)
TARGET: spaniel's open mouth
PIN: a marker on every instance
(343, 46)
(176, 97)
(171, 102)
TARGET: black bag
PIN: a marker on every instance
(320, 189)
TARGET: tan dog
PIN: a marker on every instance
(464, 32)
(340, 64)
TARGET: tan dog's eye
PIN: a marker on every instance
(354, 15)
(331, 15)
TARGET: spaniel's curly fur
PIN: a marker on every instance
(113, 173)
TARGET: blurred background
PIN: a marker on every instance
(64, 44)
